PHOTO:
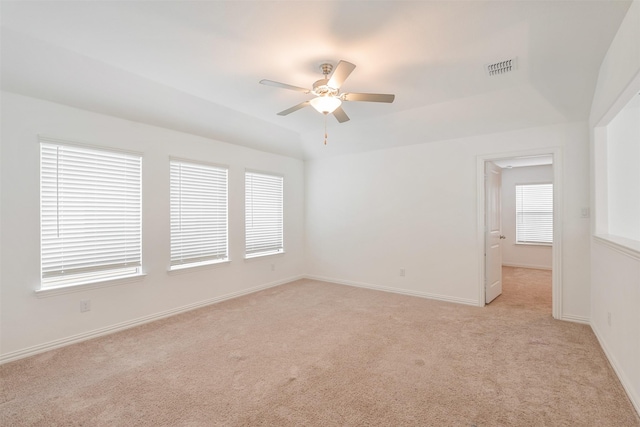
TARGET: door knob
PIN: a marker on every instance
(503, 237)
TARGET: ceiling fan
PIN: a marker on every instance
(328, 98)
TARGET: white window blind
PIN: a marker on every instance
(198, 214)
(534, 213)
(90, 214)
(263, 214)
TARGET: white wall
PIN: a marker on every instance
(616, 295)
(615, 268)
(31, 323)
(519, 255)
(369, 215)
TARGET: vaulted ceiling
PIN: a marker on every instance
(195, 66)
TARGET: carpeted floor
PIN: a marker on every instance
(313, 353)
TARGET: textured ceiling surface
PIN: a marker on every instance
(195, 66)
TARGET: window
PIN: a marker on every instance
(90, 214)
(622, 188)
(263, 214)
(534, 213)
(198, 214)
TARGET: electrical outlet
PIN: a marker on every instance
(85, 306)
(609, 318)
(402, 272)
(273, 267)
(584, 213)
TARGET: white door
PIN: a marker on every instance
(493, 232)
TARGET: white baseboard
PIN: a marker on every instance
(575, 319)
(535, 267)
(624, 380)
(395, 290)
(41, 348)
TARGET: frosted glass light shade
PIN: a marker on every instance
(325, 104)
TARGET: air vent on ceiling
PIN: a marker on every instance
(501, 67)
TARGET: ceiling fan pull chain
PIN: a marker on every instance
(325, 129)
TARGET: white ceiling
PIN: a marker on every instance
(195, 66)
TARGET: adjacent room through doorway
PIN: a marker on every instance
(519, 213)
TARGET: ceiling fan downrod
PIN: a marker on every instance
(326, 68)
(321, 87)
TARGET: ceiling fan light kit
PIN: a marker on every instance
(325, 104)
(328, 99)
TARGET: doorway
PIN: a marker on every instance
(486, 215)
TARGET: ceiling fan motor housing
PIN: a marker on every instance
(322, 88)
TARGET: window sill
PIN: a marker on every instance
(262, 255)
(533, 244)
(187, 268)
(626, 246)
(79, 287)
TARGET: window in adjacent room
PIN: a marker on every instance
(534, 213)
(198, 214)
(90, 214)
(263, 214)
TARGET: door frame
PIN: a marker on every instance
(556, 287)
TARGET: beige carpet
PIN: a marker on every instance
(313, 353)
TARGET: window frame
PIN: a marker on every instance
(93, 276)
(212, 259)
(279, 249)
(518, 212)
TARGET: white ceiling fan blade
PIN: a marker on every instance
(340, 74)
(283, 86)
(339, 114)
(368, 97)
(294, 108)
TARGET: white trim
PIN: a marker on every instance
(576, 319)
(62, 342)
(556, 288)
(630, 90)
(628, 247)
(624, 380)
(427, 295)
(535, 267)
